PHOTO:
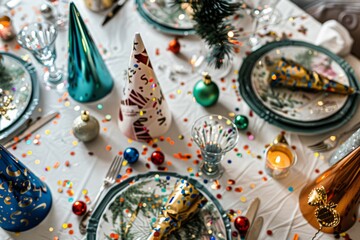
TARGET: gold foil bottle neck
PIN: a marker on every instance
(85, 116)
(206, 78)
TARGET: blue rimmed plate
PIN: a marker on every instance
(298, 111)
(172, 20)
(119, 205)
(19, 80)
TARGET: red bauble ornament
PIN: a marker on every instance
(79, 208)
(157, 158)
(242, 224)
(174, 46)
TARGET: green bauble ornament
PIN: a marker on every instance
(206, 92)
(241, 122)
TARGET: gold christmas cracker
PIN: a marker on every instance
(182, 204)
(289, 74)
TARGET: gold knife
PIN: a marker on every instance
(255, 229)
(35, 126)
(252, 210)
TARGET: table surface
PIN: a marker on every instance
(89, 162)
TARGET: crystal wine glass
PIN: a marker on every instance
(215, 135)
(200, 63)
(61, 20)
(39, 39)
(264, 12)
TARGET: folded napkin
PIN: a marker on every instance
(335, 37)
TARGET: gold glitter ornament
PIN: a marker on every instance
(327, 216)
(325, 213)
(317, 197)
(332, 199)
(86, 127)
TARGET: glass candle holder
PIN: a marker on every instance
(279, 160)
(215, 135)
(7, 32)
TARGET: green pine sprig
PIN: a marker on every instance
(212, 24)
(8, 75)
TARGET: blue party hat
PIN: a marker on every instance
(88, 77)
(24, 199)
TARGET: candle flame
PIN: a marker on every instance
(278, 159)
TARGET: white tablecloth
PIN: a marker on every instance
(279, 206)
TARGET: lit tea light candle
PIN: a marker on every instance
(279, 159)
(6, 29)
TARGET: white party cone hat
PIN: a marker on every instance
(144, 113)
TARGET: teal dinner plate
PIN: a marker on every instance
(19, 80)
(120, 209)
(298, 111)
(161, 21)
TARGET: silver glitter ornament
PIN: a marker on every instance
(347, 147)
(86, 127)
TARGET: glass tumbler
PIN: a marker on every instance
(215, 135)
(39, 39)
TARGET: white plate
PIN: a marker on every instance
(16, 82)
(299, 105)
(119, 205)
(166, 14)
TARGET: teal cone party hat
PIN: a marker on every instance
(89, 79)
(24, 199)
